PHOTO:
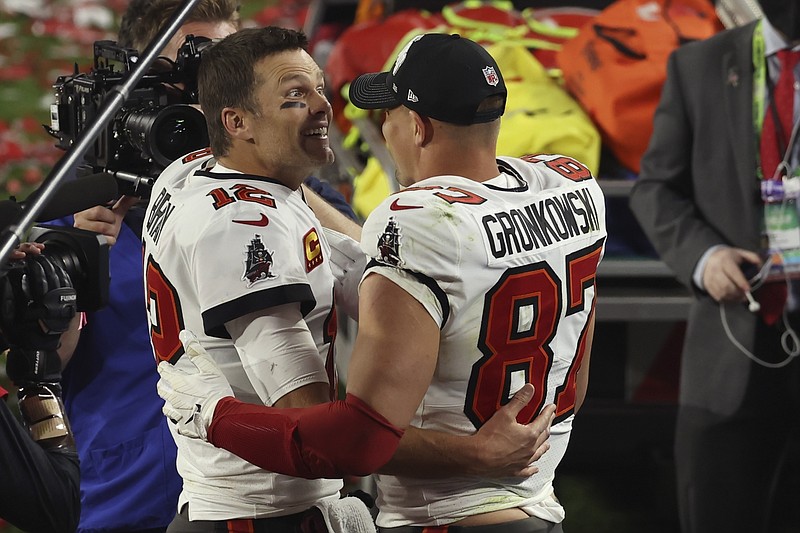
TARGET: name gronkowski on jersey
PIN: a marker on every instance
(219, 245)
(507, 269)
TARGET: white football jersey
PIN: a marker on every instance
(507, 269)
(219, 245)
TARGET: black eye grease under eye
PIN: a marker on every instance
(287, 105)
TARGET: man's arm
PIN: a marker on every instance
(331, 195)
(395, 352)
(329, 216)
(69, 340)
(664, 197)
(501, 448)
(390, 370)
(40, 491)
(275, 347)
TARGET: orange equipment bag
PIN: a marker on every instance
(616, 65)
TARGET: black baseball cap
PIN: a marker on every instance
(440, 76)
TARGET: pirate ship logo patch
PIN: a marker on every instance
(258, 264)
(389, 244)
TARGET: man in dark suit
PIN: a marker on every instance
(699, 200)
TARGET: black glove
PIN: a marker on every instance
(37, 304)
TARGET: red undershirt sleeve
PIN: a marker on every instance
(331, 440)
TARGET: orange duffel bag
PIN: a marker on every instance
(616, 65)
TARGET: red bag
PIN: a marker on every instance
(367, 47)
(617, 65)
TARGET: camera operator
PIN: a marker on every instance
(38, 459)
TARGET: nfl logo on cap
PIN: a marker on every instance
(438, 76)
(491, 76)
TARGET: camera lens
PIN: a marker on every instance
(84, 257)
(167, 133)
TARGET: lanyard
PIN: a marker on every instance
(759, 86)
(762, 83)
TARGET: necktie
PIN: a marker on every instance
(783, 98)
(772, 296)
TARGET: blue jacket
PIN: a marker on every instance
(128, 474)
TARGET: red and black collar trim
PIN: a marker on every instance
(239, 176)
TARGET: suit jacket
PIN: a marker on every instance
(698, 188)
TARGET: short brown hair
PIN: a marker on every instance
(144, 18)
(227, 77)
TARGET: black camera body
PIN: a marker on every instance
(155, 125)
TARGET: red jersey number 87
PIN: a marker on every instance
(509, 349)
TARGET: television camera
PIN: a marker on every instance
(156, 124)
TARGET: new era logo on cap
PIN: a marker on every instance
(444, 77)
